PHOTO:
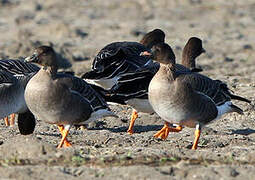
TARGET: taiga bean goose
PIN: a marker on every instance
(22, 71)
(119, 58)
(12, 100)
(186, 99)
(61, 99)
(132, 88)
(11, 89)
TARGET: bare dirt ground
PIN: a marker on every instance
(78, 30)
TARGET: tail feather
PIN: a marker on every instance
(236, 109)
(91, 75)
(196, 70)
(226, 90)
(239, 98)
(107, 95)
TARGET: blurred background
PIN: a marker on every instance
(78, 29)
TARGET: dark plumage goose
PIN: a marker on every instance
(22, 71)
(12, 98)
(61, 99)
(186, 99)
(18, 67)
(11, 89)
(119, 58)
(132, 88)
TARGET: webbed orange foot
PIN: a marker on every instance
(67, 143)
(164, 132)
(64, 132)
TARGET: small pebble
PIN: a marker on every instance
(247, 46)
(227, 59)
(234, 173)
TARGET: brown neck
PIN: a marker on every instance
(188, 60)
(168, 70)
(52, 70)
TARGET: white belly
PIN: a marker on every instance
(224, 108)
(99, 114)
(141, 105)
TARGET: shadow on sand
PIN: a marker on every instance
(246, 131)
(137, 129)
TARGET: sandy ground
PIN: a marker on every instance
(78, 30)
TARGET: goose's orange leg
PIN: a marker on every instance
(163, 133)
(64, 132)
(6, 120)
(132, 121)
(12, 121)
(197, 135)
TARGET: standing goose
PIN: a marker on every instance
(119, 58)
(132, 88)
(184, 99)
(61, 99)
(11, 89)
(22, 71)
(12, 100)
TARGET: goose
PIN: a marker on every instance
(132, 88)
(186, 98)
(12, 101)
(61, 99)
(22, 71)
(120, 58)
